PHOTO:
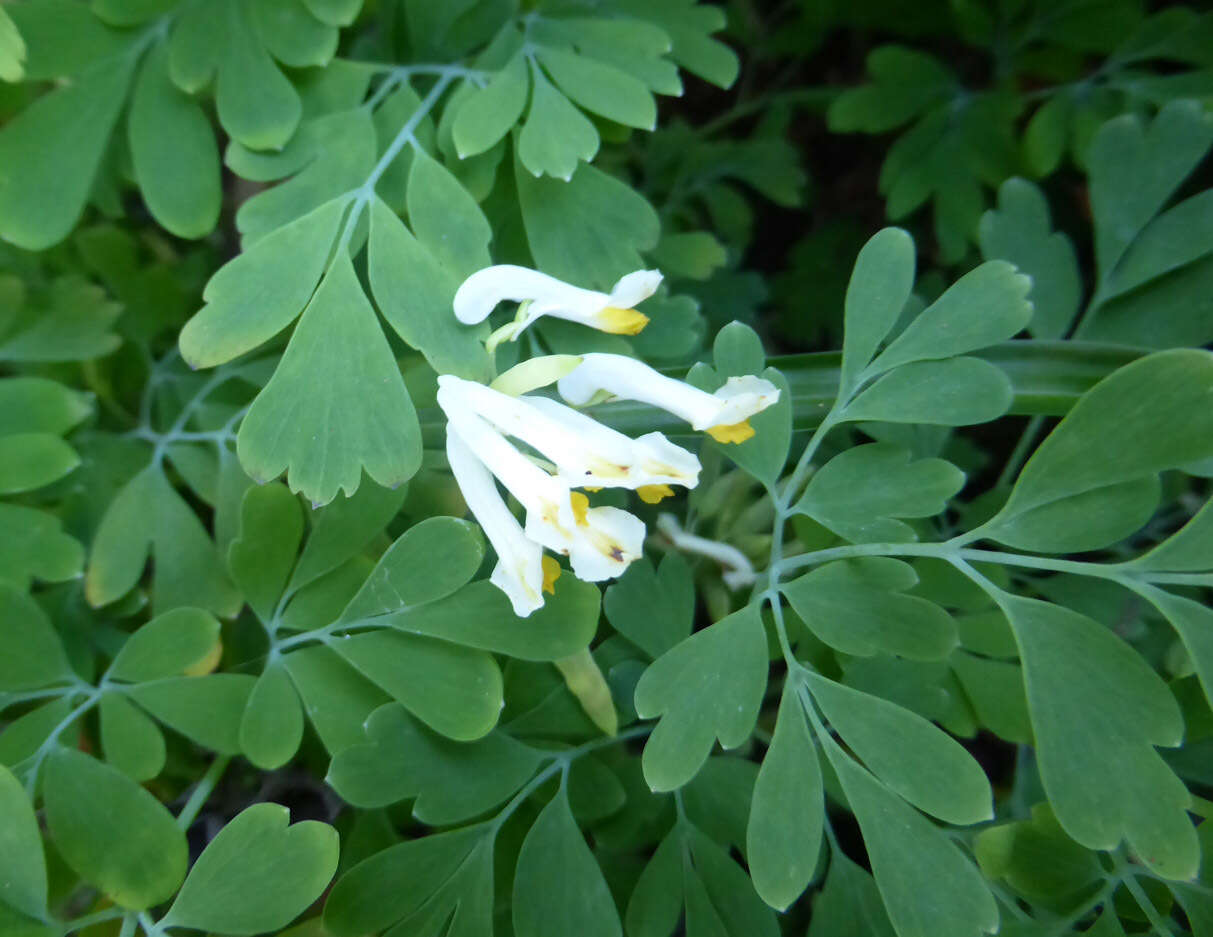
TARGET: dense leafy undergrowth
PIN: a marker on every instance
(921, 646)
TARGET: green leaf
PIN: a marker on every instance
(1134, 169)
(22, 862)
(1091, 520)
(32, 460)
(600, 88)
(33, 654)
(656, 903)
(206, 709)
(689, 26)
(489, 113)
(929, 888)
(257, 874)
(67, 320)
(1148, 416)
(446, 219)
(849, 903)
(336, 404)
(428, 562)
(985, 306)
(787, 814)
(260, 292)
(132, 742)
(858, 492)
(32, 544)
(113, 833)
(221, 40)
(558, 887)
(653, 609)
(12, 50)
(692, 254)
(479, 616)
(342, 529)
(878, 291)
(556, 136)
(1189, 549)
(952, 392)
(337, 699)
(173, 150)
(708, 687)
(334, 12)
(168, 645)
(414, 293)
(995, 690)
(330, 158)
(51, 152)
(426, 882)
(905, 83)
(588, 230)
(38, 405)
(1020, 231)
(719, 896)
(1176, 238)
(263, 554)
(452, 781)
(1098, 710)
(455, 690)
(907, 753)
(1036, 857)
(272, 725)
(851, 607)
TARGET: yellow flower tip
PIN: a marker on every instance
(653, 494)
(204, 665)
(551, 572)
(591, 488)
(580, 504)
(734, 432)
(622, 321)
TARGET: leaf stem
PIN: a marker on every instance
(202, 790)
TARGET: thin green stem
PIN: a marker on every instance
(202, 790)
(1160, 926)
(97, 917)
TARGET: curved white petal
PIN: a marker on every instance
(519, 569)
(742, 397)
(607, 542)
(624, 377)
(631, 379)
(584, 451)
(480, 293)
(634, 288)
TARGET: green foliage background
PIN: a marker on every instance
(253, 677)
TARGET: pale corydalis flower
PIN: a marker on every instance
(565, 449)
(723, 415)
(541, 295)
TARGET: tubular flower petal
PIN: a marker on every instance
(583, 450)
(599, 542)
(543, 295)
(723, 414)
(519, 572)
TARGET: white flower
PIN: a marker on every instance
(599, 542)
(584, 452)
(520, 570)
(724, 415)
(542, 295)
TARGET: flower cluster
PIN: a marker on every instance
(547, 454)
